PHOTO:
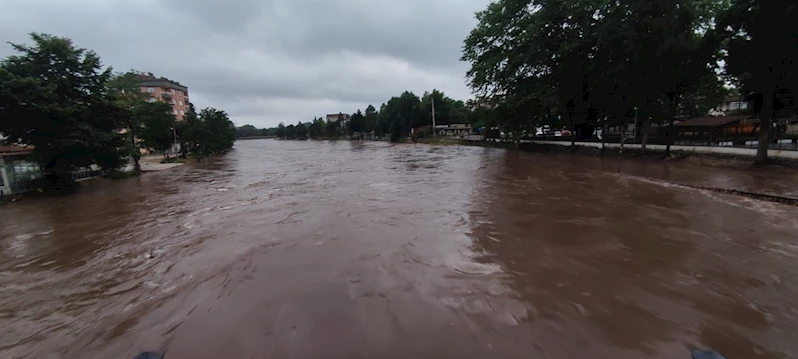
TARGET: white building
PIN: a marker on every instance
(336, 117)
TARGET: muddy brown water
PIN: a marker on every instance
(286, 249)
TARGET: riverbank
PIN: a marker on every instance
(741, 160)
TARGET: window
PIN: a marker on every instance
(182, 112)
(151, 89)
(180, 103)
(152, 99)
(180, 92)
(174, 112)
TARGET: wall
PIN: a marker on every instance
(179, 100)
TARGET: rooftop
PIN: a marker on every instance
(14, 150)
(711, 121)
(149, 79)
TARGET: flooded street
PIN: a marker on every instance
(287, 249)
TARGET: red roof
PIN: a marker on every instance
(711, 121)
(10, 150)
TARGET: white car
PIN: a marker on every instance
(557, 134)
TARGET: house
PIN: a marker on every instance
(17, 172)
(732, 105)
(454, 129)
(712, 130)
(341, 118)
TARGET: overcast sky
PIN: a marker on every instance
(266, 61)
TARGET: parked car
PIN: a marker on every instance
(557, 134)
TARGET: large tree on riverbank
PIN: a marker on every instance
(128, 96)
(54, 96)
(400, 113)
(158, 125)
(357, 124)
(763, 57)
(587, 63)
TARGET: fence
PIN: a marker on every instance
(22, 176)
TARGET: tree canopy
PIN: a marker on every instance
(589, 62)
(763, 58)
(54, 96)
(76, 114)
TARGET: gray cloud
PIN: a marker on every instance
(268, 61)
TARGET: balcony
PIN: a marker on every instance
(166, 95)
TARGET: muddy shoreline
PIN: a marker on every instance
(777, 165)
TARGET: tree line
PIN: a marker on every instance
(394, 120)
(74, 112)
(591, 63)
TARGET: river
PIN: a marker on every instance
(287, 249)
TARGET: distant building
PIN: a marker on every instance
(166, 90)
(17, 171)
(454, 129)
(732, 105)
(342, 118)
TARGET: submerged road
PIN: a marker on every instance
(284, 249)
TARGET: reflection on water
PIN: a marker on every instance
(315, 249)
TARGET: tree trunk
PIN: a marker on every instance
(183, 150)
(669, 134)
(573, 135)
(646, 124)
(136, 164)
(673, 106)
(136, 154)
(765, 122)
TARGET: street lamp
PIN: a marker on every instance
(174, 145)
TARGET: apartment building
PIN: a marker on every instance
(166, 90)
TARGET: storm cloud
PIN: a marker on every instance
(268, 61)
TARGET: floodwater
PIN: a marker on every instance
(284, 249)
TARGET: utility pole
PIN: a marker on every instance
(433, 115)
(174, 145)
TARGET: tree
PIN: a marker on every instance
(762, 56)
(357, 124)
(188, 131)
(400, 113)
(382, 126)
(301, 130)
(528, 58)
(281, 132)
(585, 62)
(248, 131)
(157, 125)
(316, 129)
(371, 118)
(220, 133)
(125, 87)
(333, 129)
(208, 133)
(54, 96)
